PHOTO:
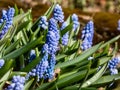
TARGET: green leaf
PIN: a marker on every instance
(81, 57)
(45, 86)
(2, 41)
(8, 64)
(107, 79)
(87, 74)
(12, 46)
(105, 59)
(2, 84)
(76, 87)
(2, 26)
(19, 17)
(22, 25)
(49, 11)
(6, 76)
(58, 57)
(95, 77)
(16, 10)
(2, 47)
(31, 65)
(28, 84)
(66, 29)
(17, 73)
(23, 49)
(110, 41)
(71, 79)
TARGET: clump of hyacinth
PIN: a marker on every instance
(66, 35)
(2, 62)
(75, 21)
(87, 36)
(58, 14)
(112, 65)
(7, 17)
(118, 28)
(17, 83)
(43, 22)
(32, 55)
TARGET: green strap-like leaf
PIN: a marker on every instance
(76, 87)
(12, 46)
(8, 64)
(105, 59)
(95, 77)
(110, 41)
(31, 65)
(28, 84)
(49, 11)
(71, 79)
(81, 57)
(19, 17)
(6, 76)
(65, 30)
(23, 49)
(107, 79)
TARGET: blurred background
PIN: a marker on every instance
(104, 13)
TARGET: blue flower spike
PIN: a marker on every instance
(75, 21)
(58, 14)
(7, 17)
(17, 83)
(43, 22)
(87, 36)
(112, 65)
(45, 68)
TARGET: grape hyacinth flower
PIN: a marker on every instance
(45, 68)
(112, 65)
(58, 14)
(87, 36)
(32, 55)
(53, 37)
(75, 21)
(7, 17)
(2, 62)
(17, 83)
(43, 22)
(66, 35)
(118, 28)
